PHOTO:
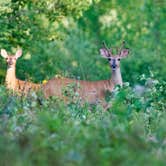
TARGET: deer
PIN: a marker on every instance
(91, 91)
(12, 82)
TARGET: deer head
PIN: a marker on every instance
(11, 59)
(114, 60)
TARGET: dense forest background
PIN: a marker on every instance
(63, 37)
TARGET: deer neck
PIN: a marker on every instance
(116, 77)
(11, 77)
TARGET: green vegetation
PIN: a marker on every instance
(64, 37)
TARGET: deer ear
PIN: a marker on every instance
(18, 53)
(104, 52)
(4, 53)
(124, 52)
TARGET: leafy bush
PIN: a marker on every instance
(131, 131)
(63, 38)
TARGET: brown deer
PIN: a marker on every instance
(91, 91)
(12, 83)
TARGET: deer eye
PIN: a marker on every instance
(109, 59)
(118, 59)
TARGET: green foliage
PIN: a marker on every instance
(63, 37)
(131, 131)
(140, 23)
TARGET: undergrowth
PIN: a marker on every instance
(35, 131)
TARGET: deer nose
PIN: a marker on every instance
(113, 66)
(10, 63)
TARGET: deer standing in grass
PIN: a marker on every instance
(12, 83)
(91, 91)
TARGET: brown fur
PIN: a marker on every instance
(91, 92)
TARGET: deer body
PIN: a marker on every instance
(93, 91)
(12, 83)
(89, 91)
